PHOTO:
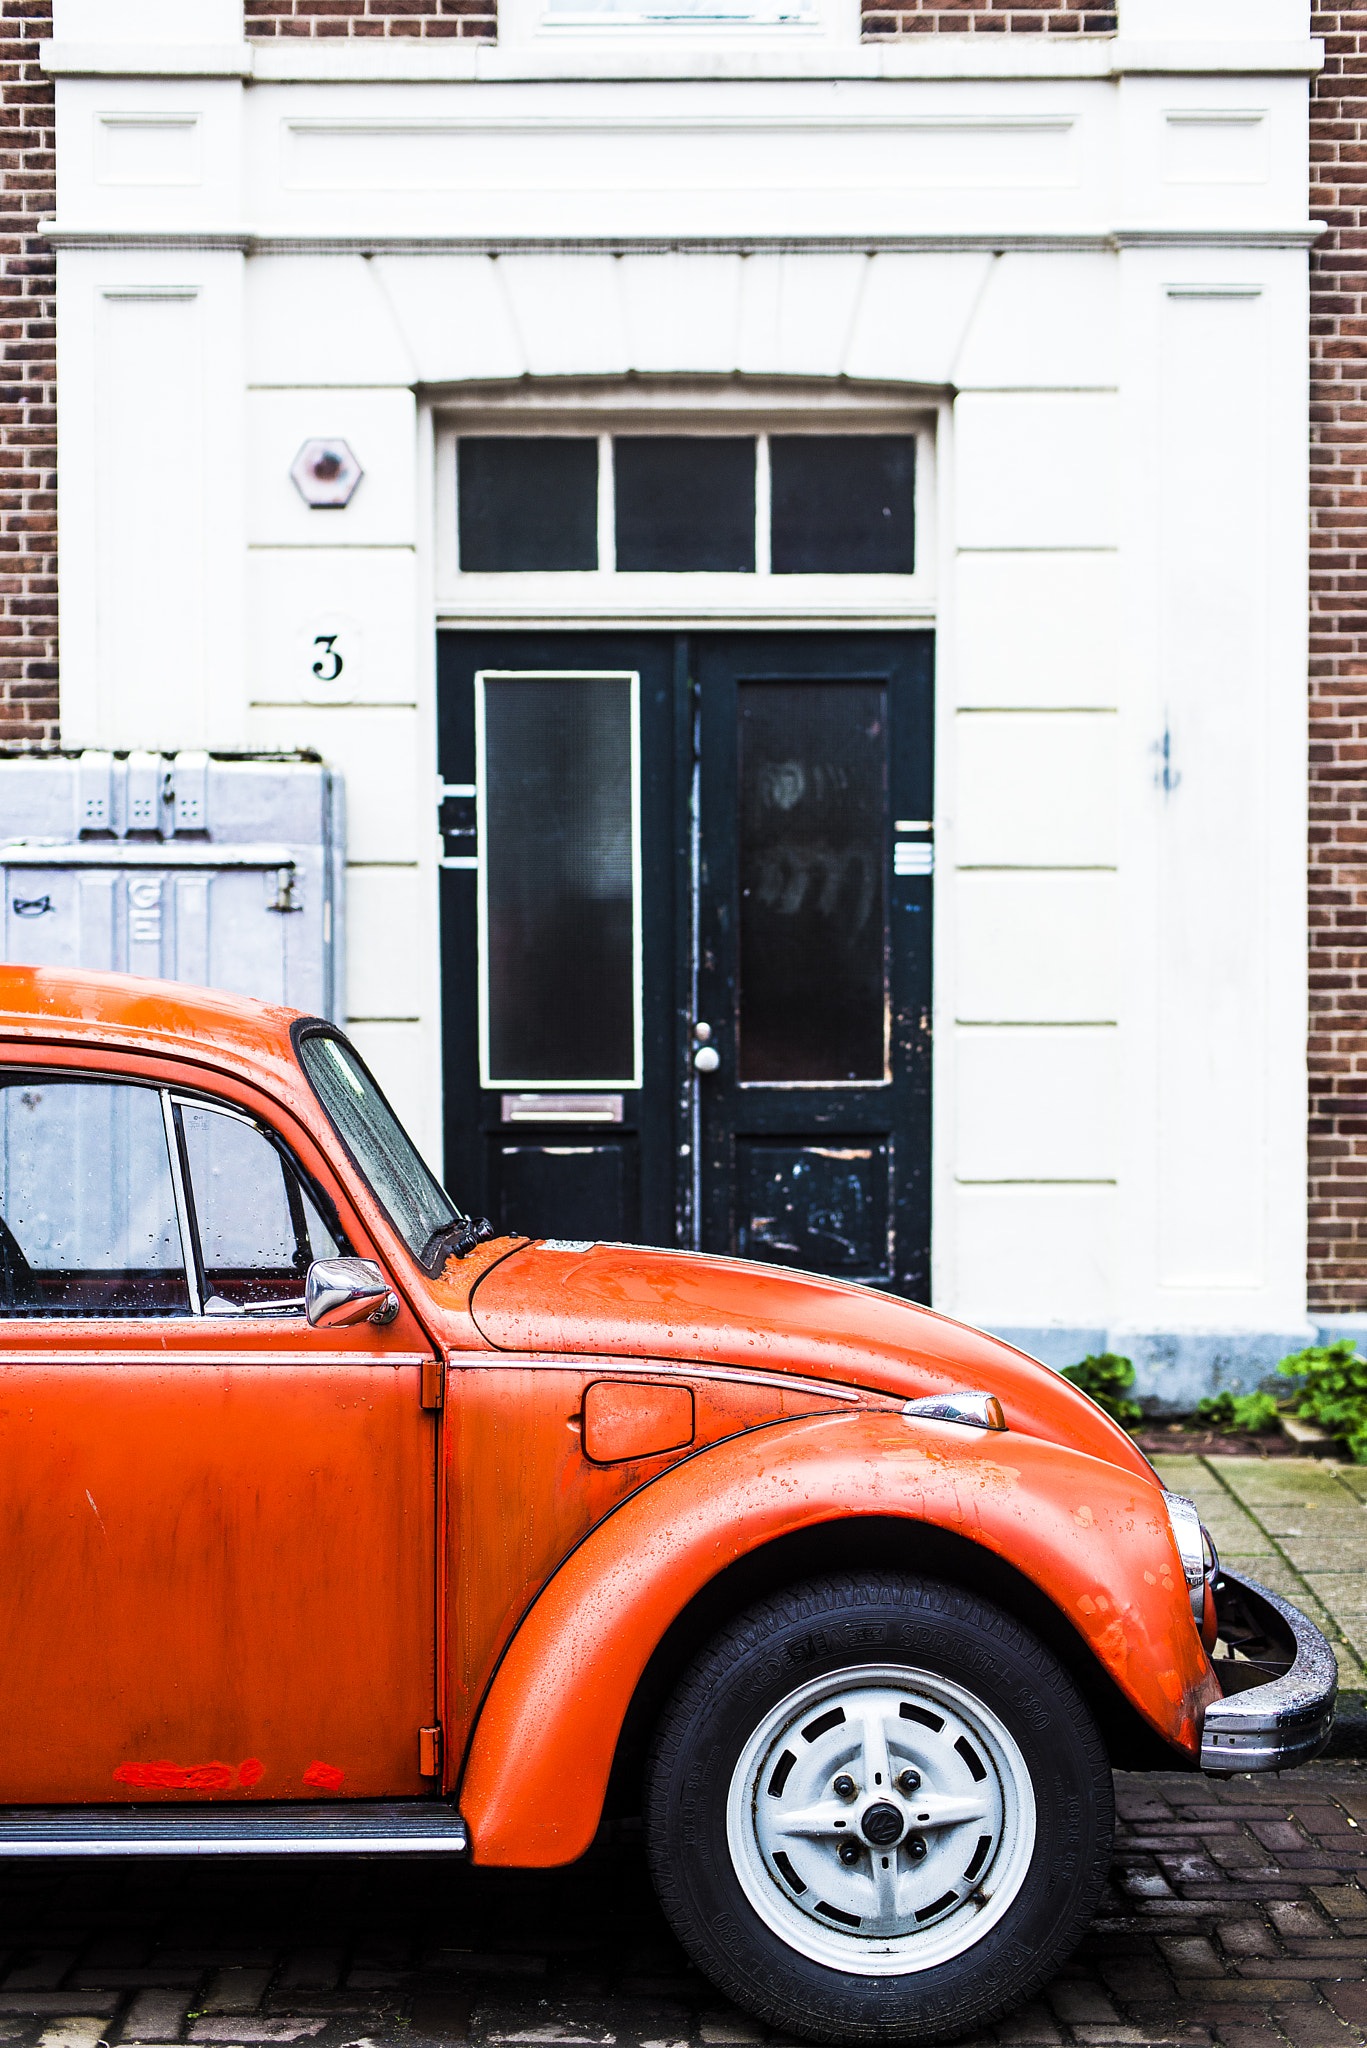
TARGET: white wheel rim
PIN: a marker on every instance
(893, 1907)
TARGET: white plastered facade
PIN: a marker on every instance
(1078, 266)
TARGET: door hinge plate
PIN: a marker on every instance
(429, 1752)
(433, 1382)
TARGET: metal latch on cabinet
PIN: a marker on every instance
(285, 880)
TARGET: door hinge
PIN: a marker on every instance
(433, 1382)
(429, 1752)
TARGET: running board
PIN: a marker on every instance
(362, 1827)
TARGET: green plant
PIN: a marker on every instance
(1106, 1377)
(1333, 1391)
(1255, 1413)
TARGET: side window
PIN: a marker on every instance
(88, 1222)
(258, 1227)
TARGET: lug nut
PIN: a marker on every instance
(848, 1852)
(909, 1782)
(845, 1787)
(916, 1847)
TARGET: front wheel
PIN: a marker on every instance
(878, 1809)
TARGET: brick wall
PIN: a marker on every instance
(986, 17)
(28, 409)
(1338, 668)
(372, 17)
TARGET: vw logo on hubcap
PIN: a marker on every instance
(882, 1825)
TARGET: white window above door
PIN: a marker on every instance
(567, 510)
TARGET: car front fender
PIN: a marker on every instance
(1093, 1538)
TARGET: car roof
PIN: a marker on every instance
(76, 1006)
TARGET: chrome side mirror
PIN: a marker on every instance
(342, 1291)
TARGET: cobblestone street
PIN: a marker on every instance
(1236, 1914)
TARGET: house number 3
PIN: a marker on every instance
(329, 664)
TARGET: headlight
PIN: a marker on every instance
(1194, 1547)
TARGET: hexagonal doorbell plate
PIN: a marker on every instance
(326, 474)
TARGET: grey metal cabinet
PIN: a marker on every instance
(227, 873)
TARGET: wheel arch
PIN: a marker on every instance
(1097, 1538)
(887, 1543)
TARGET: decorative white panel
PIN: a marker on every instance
(1215, 145)
(1035, 629)
(475, 151)
(164, 153)
(147, 149)
(1034, 1255)
(148, 346)
(151, 480)
(1035, 470)
(1036, 948)
(1213, 881)
(1036, 789)
(581, 158)
(1035, 1103)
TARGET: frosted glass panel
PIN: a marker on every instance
(559, 880)
(813, 833)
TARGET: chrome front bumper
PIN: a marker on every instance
(1278, 1708)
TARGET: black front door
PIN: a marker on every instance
(686, 941)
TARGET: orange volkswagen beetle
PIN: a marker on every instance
(330, 1522)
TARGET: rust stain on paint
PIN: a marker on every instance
(164, 1776)
(324, 1777)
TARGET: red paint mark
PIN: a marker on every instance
(252, 1772)
(168, 1777)
(324, 1777)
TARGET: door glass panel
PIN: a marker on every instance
(842, 504)
(89, 1214)
(259, 1229)
(559, 912)
(527, 502)
(812, 832)
(685, 501)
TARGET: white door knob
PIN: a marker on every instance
(707, 1059)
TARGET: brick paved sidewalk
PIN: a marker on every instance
(1299, 1526)
(1236, 1915)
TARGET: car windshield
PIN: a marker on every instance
(418, 1207)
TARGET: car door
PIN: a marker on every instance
(216, 1524)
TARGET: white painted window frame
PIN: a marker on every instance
(696, 599)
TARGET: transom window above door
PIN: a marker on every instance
(782, 504)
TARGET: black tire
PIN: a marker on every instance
(880, 1623)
